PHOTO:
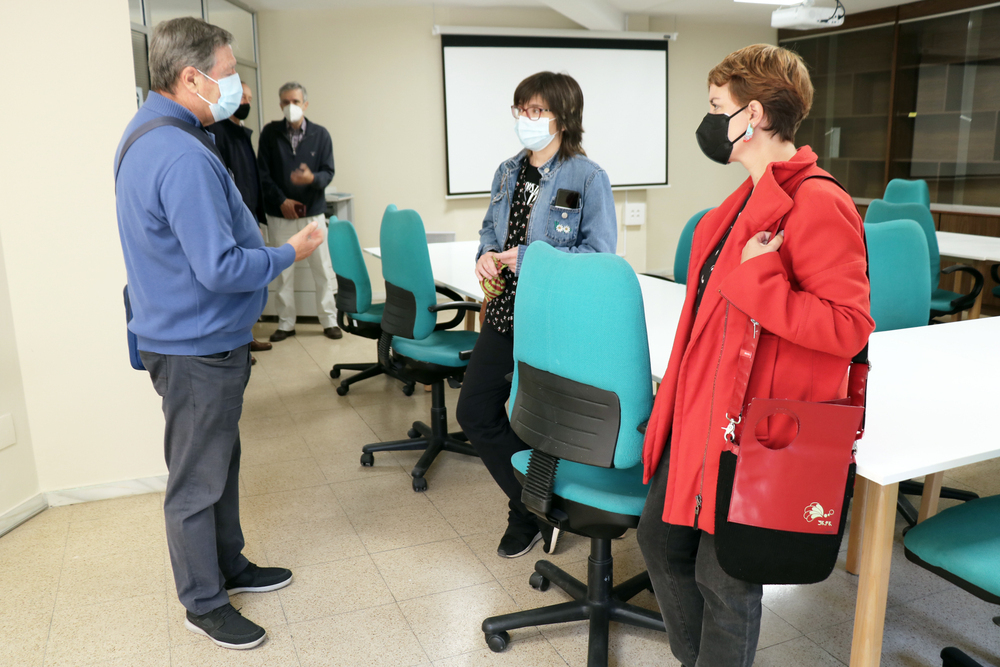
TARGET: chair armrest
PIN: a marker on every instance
(465, 355)
(509, 377)
(641, 428)
(966, 300)
(993, 272)
(455, 305)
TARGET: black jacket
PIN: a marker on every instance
(277, 162)
(233, 142)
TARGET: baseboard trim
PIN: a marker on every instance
(129, 487)
(13, 518)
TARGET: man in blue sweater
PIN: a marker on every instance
(197, 279)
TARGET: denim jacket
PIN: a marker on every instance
(592, 227)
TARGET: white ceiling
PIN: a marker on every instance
(727, 10)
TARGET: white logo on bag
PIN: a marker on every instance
(815, 512)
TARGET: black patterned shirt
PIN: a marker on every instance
(500, 311)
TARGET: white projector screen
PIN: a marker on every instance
(624, 85)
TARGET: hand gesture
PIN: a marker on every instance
(306, 240)
(762, 243)
(487, 267)
(303, 175)
(288, 209)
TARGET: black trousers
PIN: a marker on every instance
(202, 404)
(712, 619)
(483, 417)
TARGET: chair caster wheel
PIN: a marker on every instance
(498, 642)
(367, 459)
(408, 390)
(538, 582)
(342, 390)
(419, 484)
(335, 373)
(413, 433)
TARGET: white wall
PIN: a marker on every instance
(375, 82)
(69, 91)
(695, 181)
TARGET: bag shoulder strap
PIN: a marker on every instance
(199, 134)
(858, 378)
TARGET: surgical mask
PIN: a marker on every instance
(242, 111)
(533, 134)
(292, 112)
(230, 94)
(713, 137)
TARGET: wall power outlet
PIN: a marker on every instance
(635, 214)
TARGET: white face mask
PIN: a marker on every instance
(230, 93)
(292, 112)
(533, 134)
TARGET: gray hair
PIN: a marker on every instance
(294, 85)
(180, 43)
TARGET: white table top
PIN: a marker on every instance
(454, 266)
(932, 400)
(969, 246)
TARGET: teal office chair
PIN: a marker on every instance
(996, 279)
(682, 256)
(900, 294)
(413, 345)
(900, 191)
(356, 314)
(943, 302)
(962, 545)
(581, 390)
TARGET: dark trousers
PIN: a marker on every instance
(712, 619)
(483, 417)
(202, 404)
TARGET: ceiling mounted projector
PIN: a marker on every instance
(807, 17)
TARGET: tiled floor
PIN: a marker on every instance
(384, 576)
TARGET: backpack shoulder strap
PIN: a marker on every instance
(199, 134)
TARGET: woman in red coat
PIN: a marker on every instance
(807, 287)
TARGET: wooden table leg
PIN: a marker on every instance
(873, 586)
(931, 496)
(857, 523)
(471, 316)
(977, 307)
(957, 317)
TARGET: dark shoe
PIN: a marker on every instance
(259, 346)
(520, 537)
(226, 627)
(280, 335)
(253, 360)
(333, 332)
(259, 580)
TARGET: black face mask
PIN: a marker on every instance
(242, 111)
(713, 136)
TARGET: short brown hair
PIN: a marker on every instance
(775, 77)
(180, 43)
(564, 99)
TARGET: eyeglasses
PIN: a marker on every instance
(533, 113)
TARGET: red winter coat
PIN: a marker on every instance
(810, 298)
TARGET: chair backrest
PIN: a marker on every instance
(582, 383)
(683, 254)
(409, 280)
(881, 211)
(900, 285)
(354, 288)
(901, 191)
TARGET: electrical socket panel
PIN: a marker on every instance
(635, 214)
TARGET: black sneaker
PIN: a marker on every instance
(521, 535)
(259, 580)
(226, 627)
(280, 335)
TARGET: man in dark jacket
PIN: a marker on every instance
(233, 141)
(296, 164)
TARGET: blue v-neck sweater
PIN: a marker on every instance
(197, 266)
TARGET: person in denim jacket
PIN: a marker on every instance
(549, 192)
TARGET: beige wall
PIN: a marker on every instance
(695, 181)
(374, 81)
(88, 417)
